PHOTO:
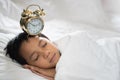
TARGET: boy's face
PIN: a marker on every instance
(40, 52)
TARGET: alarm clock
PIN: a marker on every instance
(31, 21)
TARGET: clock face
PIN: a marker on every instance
(35, 26)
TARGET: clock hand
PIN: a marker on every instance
(32, 24)
(37, 24)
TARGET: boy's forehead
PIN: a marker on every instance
(35, 39)
(43, 38)
(31, 42)
(32, 39)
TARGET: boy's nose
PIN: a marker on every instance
(46, 54)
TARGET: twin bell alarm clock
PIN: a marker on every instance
(31, 21)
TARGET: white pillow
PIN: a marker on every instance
(112, 9)
(8, 25)
(9, 9)
(10, 70)
(81, 11)
(112, 6)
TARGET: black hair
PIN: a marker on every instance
(13, 46)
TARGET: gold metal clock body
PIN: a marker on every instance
(31, 21)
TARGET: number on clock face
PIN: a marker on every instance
(34, 26)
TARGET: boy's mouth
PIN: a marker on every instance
(53, 58)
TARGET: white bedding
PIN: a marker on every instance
(83, 58)
(101, 18)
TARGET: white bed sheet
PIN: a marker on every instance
(88, 59)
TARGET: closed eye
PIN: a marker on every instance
(37, 57)
(42, 43)
(34, 56)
